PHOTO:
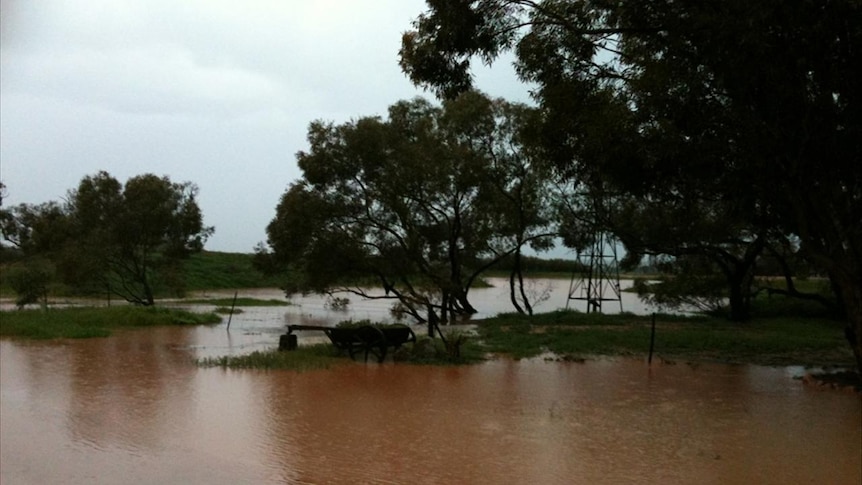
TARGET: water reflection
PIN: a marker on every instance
(124, 404)
(517, 422)
(489, 301)
(133, 408)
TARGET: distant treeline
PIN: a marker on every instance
(533, 265)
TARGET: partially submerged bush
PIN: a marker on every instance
(337, 304)
(308, 357)
(228, 311)
(30, 281)
(458, 350)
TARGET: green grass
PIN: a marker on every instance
(311, 357)
(223, 310)
(767, 341)
(573, 336)
(207, 270)
(428, 351)
(240, 302)
(211, 270)
(424, 351)
(87, 322)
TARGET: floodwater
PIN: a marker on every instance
(134, 408)
(550, 294)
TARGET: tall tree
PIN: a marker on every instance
(415, 201)
(757, 103)
(141, 230)
(113, 237)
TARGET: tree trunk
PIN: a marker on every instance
(739, 311)
(740, 276)
(148, 294)
(512, 297)
(851, 296)
(739, 283)
(462, 300)
(517, 273)
(432, 321)
(524, 296)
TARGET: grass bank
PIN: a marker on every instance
(87, 322)
(240, 302)
(207, 270)
(425, 351)
(570, 335)
(212, 270)
(310, 357)
(765, 341)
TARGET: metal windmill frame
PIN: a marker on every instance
(601, 282)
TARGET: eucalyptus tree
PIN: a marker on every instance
(36, 228)
(113, 237)
(419, 204)
(755, 103)
(38, 234)
(138, 231)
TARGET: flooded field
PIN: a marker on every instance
(134, 408)
(489, 301)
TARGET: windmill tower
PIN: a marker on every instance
(601, 282)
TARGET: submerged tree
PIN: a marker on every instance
(755, 103)
(419, 204)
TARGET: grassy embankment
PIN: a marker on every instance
(210, 270)
(765, 341)
(310, 357)
(461, 350)
(785, 332)
(782, 332)
(207, 270)
(87, 322)
(323, 356)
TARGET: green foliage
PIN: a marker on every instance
(223, 310)
(424, 351)
(415, 202)
(127, 240)
(305, 358)
(768, 341)
(428, 351)
(337, 304)
(240, 302)
(780, 306)
(141, 231)
(93, 322)
(359, 323)
(30, 280)
(684, 291)
(541, 267)
(701, 127)
(211, 270)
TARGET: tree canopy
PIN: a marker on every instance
(113, 237)
(421, 203)
(745, 112)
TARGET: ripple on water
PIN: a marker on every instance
(134, 408)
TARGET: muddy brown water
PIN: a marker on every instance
(134, 408)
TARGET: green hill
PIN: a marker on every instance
(211, 270)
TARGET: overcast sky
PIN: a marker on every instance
(218, 93)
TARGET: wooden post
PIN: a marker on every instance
(287, 342)
(230, 316)
(432, 321)
(651, 340)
